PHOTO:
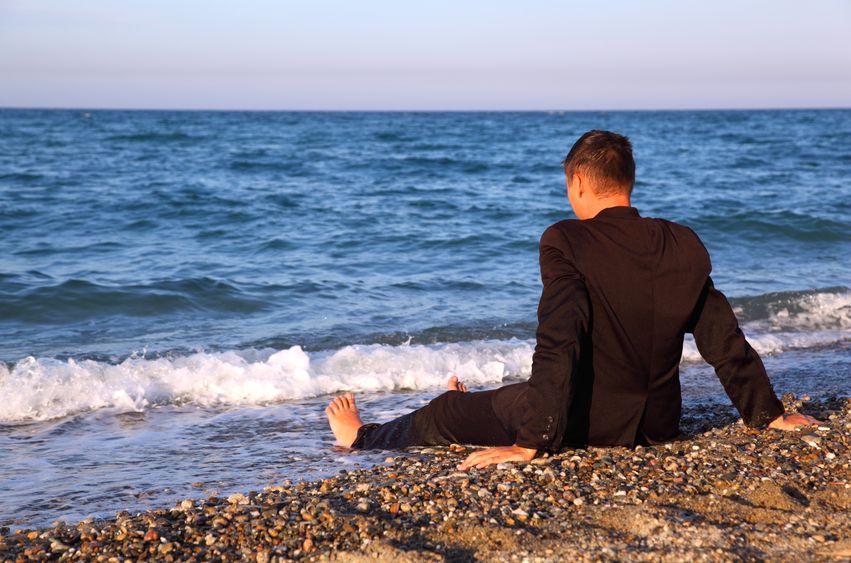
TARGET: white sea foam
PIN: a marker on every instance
(42, 389)
(775, 343)
(790, 321)
(816, 310)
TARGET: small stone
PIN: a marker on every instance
(238, 498)
(57, 545)
(363, 505)
(389, 460)
(811, 440)
(307, 545)
(186, 504)
(152, 535)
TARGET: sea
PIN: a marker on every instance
(182, 292)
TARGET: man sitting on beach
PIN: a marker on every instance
(620, 292)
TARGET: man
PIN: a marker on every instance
(620, 291)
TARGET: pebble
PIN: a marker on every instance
(238, 498)
(811, 440)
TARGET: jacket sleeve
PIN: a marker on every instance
(563, 316)
(721, 343)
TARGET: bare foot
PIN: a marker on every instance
(344, 420)
(454, 385)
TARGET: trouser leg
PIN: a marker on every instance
(453, 417)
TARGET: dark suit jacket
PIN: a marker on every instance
(620, 291)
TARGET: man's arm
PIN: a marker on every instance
(563, 314)
(721, 343)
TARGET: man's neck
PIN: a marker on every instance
(613, 201)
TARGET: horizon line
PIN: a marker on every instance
(414, 110)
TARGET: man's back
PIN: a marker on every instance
(632, 287)
(643, 278)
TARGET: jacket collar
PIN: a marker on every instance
(619, 212)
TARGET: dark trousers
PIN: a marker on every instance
(484, 418)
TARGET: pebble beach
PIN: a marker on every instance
(722, 492)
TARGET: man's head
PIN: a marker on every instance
(600, 172)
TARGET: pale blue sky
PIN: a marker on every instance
(383, 54)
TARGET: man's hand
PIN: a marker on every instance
(791, 421)
(490, 456)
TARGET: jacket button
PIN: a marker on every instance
(549, 419)
(546, 436)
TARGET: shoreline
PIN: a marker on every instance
(722, 492)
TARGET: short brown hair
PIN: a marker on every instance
(606, 159)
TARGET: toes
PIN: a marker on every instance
(348, 401)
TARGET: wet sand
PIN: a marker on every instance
(723, 492)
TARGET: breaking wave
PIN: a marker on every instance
(36, 389)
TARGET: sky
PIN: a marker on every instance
(435, 55)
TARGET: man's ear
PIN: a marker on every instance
(578, 185)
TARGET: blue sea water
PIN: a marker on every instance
(180, 292)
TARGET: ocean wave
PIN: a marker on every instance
(441, 163)
(776, 343)
(809, 310)
(790, 320)
(156, 137)
(291, 167)
(37, 389)
(45, 388)
(763, 224)
(82, 299)
(22, 177)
